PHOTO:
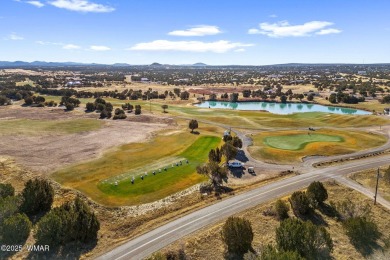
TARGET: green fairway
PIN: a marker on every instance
(299, 141)
(292, 145)
(160, 184)
(96, 178)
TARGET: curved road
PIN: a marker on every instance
(158, 238)
(148, 243)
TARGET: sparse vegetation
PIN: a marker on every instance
(237, 235)
(300, 203)
(281, 209)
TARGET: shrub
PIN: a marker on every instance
(4, 101)
(362, 232)
(305, 238)
(90, 106)
(281, 209)
(237, 235)
(317, 193)
(300, 203)
(137, 110)
(16, 229)
(271, 253)
(70, 222)
(6, 190)
(28, 101)
(69, 106)
(37, 196)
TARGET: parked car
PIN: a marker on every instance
(235, 165)
(251, 169)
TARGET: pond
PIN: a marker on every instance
(280, 108)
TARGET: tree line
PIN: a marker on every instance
(71, 222)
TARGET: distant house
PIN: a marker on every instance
(362, 72)
(386, 111)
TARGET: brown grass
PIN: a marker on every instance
(368, 180)
(207, 244)
(353, 141)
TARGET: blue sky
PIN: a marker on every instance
(215, 32)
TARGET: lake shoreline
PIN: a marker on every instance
(277, 107)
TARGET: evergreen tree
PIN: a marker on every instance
(16, 229)
(237, 235)
(37, 196)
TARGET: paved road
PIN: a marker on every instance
(156, 239)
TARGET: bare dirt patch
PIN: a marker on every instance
(49, 151)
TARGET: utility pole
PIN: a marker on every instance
(376, 188)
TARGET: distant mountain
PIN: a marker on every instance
(120, 64)
(199, 64)
(156, 64)
(11, 64)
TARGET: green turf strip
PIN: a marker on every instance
(299, 141)
(195, 154)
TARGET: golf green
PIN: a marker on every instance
(299, 141)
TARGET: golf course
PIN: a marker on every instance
(292, 145)
(108, 179)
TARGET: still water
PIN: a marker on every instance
(280, 108)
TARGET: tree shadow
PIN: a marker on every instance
(328, 210)
(35, 218)
(313, 217)
(238, 256)
(195, 133)
(237, 172)
(241, 156)
(367, 244)
(72, 250)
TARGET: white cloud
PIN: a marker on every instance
(273, 16)
(328, 31)
(200, 30)
(71, 47)
(36, 3)
(48, 43)
(84, 6)
(254, 31)
(190, 46)
(99, 48)
(284, 29)
(240, 50)
(14, 37)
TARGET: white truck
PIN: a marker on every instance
(235, 164)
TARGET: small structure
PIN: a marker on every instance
(251, 169)
(235, 164)
(386, 111)
(226, 133)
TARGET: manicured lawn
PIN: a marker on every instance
(164, 183)
(290, 146)
(299, 141)
(96, 178)
(37, 127)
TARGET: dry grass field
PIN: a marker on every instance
(207, 244)
(368, 180)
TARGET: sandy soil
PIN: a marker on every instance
(50, 151)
